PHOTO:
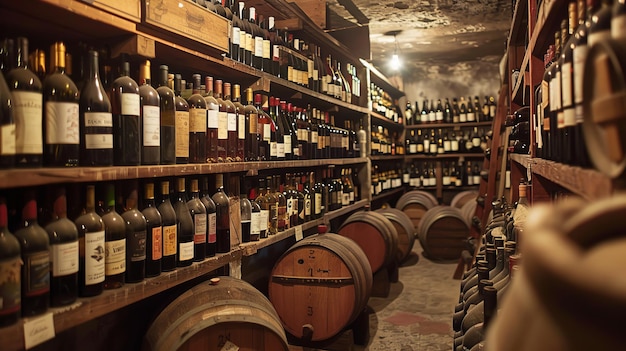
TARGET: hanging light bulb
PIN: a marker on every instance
(395, 63)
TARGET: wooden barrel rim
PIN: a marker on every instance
(383, 226)
(468, 210)
(417, 196)
(431, 218)
(459, 200)
(404, 221)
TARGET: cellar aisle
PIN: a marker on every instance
(417, 315)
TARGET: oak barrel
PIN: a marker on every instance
(443, 233)
(404, 231)
(459, 200)
(320, 285)
(207, 315)
(415, 203)
(468, 210)
(374, 234)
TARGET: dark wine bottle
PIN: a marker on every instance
(115, 242)
(91, 251)
(208, 203)
(96, 120)
(7, 126)
(255, 216)
(10, 264)
(182, 123)
(197, 124)
(61, 116)
(232, 124)
(154, 232)
(126, 119)
(185, 227)
(252, 134)
(35, 251)
(170, 230)
(149, 102)
(222, 215)
(135, 236)
(199, 216)
(168, 118)
(246, 213)
(242, 124)
(27, 103)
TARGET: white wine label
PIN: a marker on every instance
(598, 37)
(212, 230)
(222, 125)
(169, 240)
(62, 123)
(7, 140)
(476, 179)
(265, 219)
(130, 104)
(197, 120)
(566, 83)
(151, 126)
(137, 246)
(64, 258)
(94, 257)
(27, 107)
(445, 180)
(98, 119)
(37, 268)
(314, 137)
(115, 257)
(258, 47)
(200, 226)
(157, 243)
(235, 36)
(182, 134)
(255, 223)
(243, 39)
(267, 49)
(241, 126)
(475, 142)
(287, 143)
(471, 117)
(463, 117)
(274, 149)
(267, 132)
(253, 124)
(212, 119)
(439, 115)
(280, 150)
(289, 209)
(249, 42)
(276, 53)
(185, 251)
(579, 57)
(318, 203)
(345, 199)
(618, 27)
(231, 122)
(307, 206)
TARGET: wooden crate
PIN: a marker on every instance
(129, 9)
(190, 20)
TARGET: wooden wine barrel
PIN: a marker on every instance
(404, 230)
(207, 315)
(320, 285)
(459, 200)
(415, 203)
(604, 98)
(374, 234)
(468, 210)
(443, 233)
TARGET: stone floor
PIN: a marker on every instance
(417, 314)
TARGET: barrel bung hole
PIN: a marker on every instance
(300, 261)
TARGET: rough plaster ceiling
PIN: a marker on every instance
(433, 32)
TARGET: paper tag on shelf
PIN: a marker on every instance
(229, 346)
(299, 234)
(38, 330)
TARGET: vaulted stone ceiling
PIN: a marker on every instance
(432, 32)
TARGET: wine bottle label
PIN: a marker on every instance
(318, 203)
(267, 132)
(273, 149)
(10, 285)
(287, 143)
(352, 196)
(241, 127)
(7, 140)
(27, 112)
(445, 180)
(212, 229)
(492, 111)
(447, 146)
(566, 83)
(170, 240)
(94, 250)
(64, 258)
(258, 47)
(137, 246)
(255, 223)
(280, 150)
(471, 117)
(314, 137)
(439, 115)
(231, 122)
(420, 148)
(37, 273)
(289, 209)
(476, 179)
(115, 257)
(200, 228)
(62, 123)
(236, 34)
(212, 119)
(249, 43)
(243, 39)
(433, 148)
(267, 49)
(157, 243)
(152, 126)
(476, 142)
(458, 182)
(557, 91)
(579, 57)
(618, 26)
(598, 36)
(130, 104)
(307, 206)
(197, 120)
(98, 119)
(182, 134)
(222, 125)
(265, 219)
(276, 53)
(345, 199)
(185, 251)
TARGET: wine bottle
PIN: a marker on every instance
(246, 213)
(126, 118)
(150, 102)
(266, 204)
(207, 201)
(181, 117)
(170, 230)
(231, 126)
(213, 108)
(61, 117)
(235, 40)
(242, 124)
(96, 120)
(198, 213)
(185, 226)
(115, 240)
(222, 215)
(197, 124)
(255, 216)
(167, 109)
(253, 148)
(136, 232)
(92, 247)
(26, 101)
(10, 264)
(7, 127)
(579, 56)
(35, 254)
(63, 238)
(154, 232)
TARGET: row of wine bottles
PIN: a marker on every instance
(441, 141)
(559, 98)
(384, 104)
(459, 111)
(258, 42)
(420, 174)
(57, 124)
(83, 239)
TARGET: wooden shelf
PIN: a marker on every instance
(380, 80)
(518, 90)
(548, 21)
(520, 19)
(389, 193)
(378, 119)
(449, 125)
(442, 156)
(588, 183)
(386, 157)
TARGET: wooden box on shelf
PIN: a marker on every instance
(189, 20)
(129, 9)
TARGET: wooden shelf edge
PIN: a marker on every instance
(386, 157)
(544, 15)
(587, 183)
(89, 308)
(380, 79)
(389, 193)
(378, 118)
(516, 22)
(449, 125)
(443, 156)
